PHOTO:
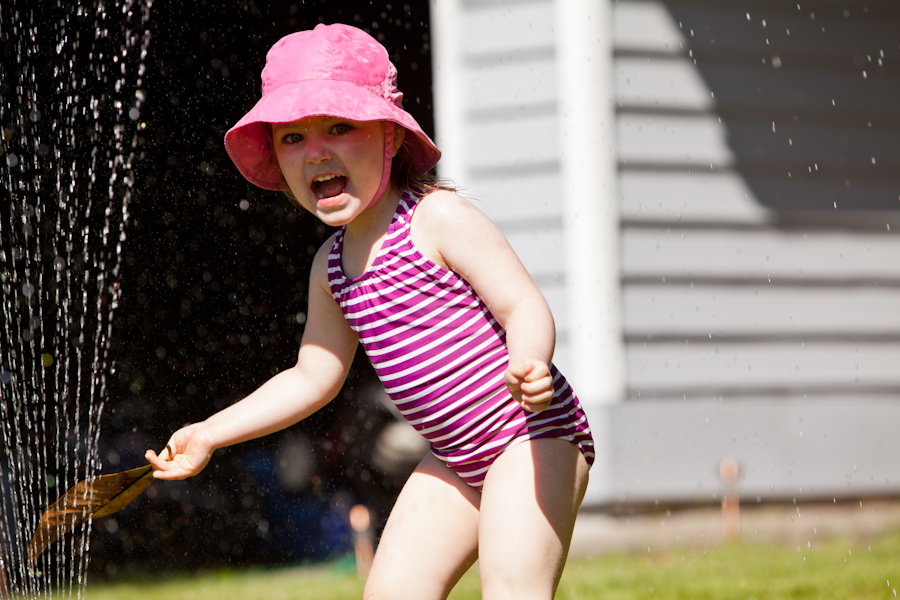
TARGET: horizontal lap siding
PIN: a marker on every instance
(786, 448)
(510, 135)
(734, 369)
(761, 256)
(665, 311)
(749, 266)
(760, 260)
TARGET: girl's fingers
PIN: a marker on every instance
(155, 460)
(544, 385)
(537, 372)
(167, 469)
(536, 395)
(182, 457)
(530, 383)
(520, 369)
(163, 460)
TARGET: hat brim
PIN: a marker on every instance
(247, 142)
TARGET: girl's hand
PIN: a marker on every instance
(188, 451)
(530, 383)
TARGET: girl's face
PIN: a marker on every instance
(332, 166)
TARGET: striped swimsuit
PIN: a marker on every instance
(441, 356)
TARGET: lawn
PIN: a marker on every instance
(837, 569)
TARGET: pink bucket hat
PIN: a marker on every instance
(332, 70)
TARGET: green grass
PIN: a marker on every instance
(838, 570)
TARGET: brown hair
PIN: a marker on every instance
(404, 176)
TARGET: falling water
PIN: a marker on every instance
(70, 102)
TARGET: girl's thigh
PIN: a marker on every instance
(528, 507)
(430, 539)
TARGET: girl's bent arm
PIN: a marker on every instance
(323, 360)
(448, 228)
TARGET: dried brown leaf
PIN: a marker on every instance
(92, 498)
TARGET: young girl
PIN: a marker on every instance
(459, 335)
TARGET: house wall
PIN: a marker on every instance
(758, 202)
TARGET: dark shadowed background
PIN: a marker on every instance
(214, 301)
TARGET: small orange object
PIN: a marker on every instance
(363, 539)
(731, 508)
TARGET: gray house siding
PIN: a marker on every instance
(759, 208)
(761, 275)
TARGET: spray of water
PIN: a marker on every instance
(71, 92)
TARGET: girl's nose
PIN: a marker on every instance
(317, 150)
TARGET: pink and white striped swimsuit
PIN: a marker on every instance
(441, 356)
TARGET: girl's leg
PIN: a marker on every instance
(431, 537)
(528, 508)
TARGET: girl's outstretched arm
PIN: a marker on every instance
(450, 231)
(323, 360)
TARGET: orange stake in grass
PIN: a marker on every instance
(89, 499)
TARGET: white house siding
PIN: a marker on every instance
(760, 205)
(761, 278)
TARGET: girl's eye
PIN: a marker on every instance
(341, 128)
(292, 138)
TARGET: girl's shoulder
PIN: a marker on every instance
(445, 211)
(440, 206)
(443, 221)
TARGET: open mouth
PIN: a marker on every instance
(328, 186)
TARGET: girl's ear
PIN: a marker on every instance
(399, 136)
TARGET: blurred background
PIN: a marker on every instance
(215, 286)
(212, 282)
(707, 194)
